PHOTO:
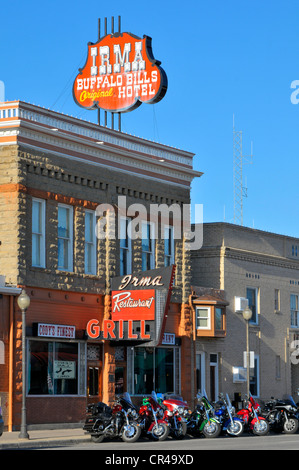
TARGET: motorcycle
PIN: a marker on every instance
(253, 419)
(202, 419)
(175, 412)
(151, 418)
(225, 412)
(118, 421)
(282, 415)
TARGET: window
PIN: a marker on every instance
(56, 368)
(218, 319)
(203, 318)
(155, 369)
(252, 296)
(148, 246)
(90, 243)
(65, 238)
(168, 246)
(294, 250)
(276, 300)
(38, 233)
(278, 367)
(93, 381)
(295, 310)
(125, 247)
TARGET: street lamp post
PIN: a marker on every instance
(247, 314)
(23, 303)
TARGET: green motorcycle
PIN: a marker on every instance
(202, 419)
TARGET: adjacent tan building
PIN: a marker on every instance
(240, 263)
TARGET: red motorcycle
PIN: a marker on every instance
(151, 418)
(251, 416)
(175, 413)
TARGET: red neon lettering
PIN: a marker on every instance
(92, 329)
(130, 330)
(142, 331)
(121, 329)
(108, 328)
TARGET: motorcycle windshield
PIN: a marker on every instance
(127, 397)
(228, 401)
(154, 396)
(289, 400)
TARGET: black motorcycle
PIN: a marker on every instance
(118, 421)
(282, 415)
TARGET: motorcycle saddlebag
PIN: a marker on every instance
(101, 408)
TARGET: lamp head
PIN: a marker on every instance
(247, 313)
(23, 300)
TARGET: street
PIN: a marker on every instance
(146, 447)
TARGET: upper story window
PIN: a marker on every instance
(90, 243)
(252, 296)
(203, 318)
(294, 310)
(125, 247)
(168, 246)
(148, 246)
(295, 250)
(38, 233)
(65, 237)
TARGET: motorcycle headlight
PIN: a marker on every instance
(169, 413)
(134, 413)
(258, 409)
(180, 410)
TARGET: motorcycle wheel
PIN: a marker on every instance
(97, 438)
(235, 428)
(291, 426)
(181, 431)
(160, 431)
(211, 430)
(260, 428)
(131, 433)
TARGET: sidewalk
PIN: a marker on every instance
(43, 438)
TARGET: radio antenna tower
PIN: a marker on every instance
(240, 191)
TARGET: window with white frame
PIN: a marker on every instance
(168, 246)
(294, 310)
(90, 243)
(65, 237)
(203, 318)
(125, 247)
(148, 246)
(38, 233)
(252, 297)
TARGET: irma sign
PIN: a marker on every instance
(120, 73)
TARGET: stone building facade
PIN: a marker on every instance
(262, 269)
(55, 173)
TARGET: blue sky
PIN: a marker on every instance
(222, 58)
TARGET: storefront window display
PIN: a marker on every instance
(56, 368)
(155, 369)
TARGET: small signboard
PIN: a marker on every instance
(64, 370)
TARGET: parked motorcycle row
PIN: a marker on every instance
(160, 416)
